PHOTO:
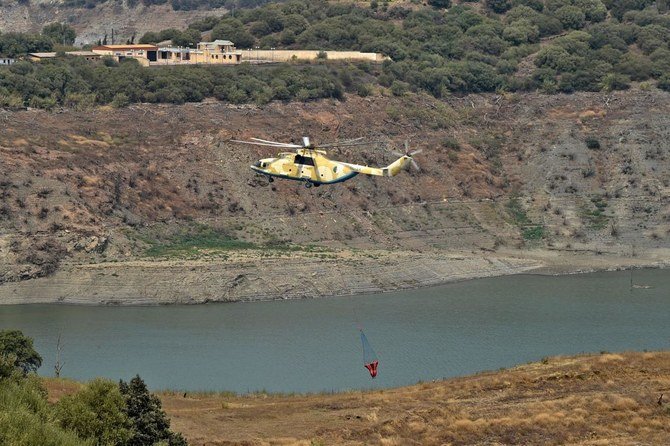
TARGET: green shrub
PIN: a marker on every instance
(637, 67)
(364, 90)
(120, 100)
(533, 233)
(614, 81)
(27, 419)
(451, 143)
(592, 143)
(96, 412)
(440, 3)
(517, 212)
(660, 59)
(664, 83)
(399, 88)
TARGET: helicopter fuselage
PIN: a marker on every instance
(314, 168)
(311, 166)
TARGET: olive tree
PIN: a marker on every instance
(17, 352)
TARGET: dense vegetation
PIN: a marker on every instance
(76, 83)
(101, 413)
(589, 44)
(511, 45)
(53, 35)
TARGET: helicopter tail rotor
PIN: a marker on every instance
(409, 154)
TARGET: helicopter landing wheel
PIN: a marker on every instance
(308, 184)
(316, 185)
(270, 179)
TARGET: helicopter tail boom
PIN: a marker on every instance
(391, 170)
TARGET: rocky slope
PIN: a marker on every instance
(93, 24)
(508, 178)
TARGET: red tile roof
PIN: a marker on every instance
(141, 46)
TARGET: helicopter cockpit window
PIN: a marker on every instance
(304, 160)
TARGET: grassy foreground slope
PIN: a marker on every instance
(606, 399)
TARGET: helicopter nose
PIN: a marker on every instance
(257, 164)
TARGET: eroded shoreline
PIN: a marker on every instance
(255, 277)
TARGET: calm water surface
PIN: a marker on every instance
(313, 345)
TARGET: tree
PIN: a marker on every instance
(233, 30)
(637, 66)
(96, 412)
(16, 350)
(59, 33)
(571, 17)
(521, 31)
(594, 10)
(149, 37)
(189, 38)
(498, 6)
(620, 7)
(143, 409)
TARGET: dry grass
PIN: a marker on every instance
(607, 399)
(603, 399)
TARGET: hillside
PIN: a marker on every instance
(92, 24)
(471, 47)
(610, 399)
(103, 201)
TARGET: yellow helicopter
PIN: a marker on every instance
(310, 164)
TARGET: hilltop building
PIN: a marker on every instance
(217, 52)
(88, 55)
(144, 53)
(7, 61)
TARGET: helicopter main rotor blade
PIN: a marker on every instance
(263, 144)
(415, 165)
(416, 152)
(287, 144)
(344, 141)
(345, 144)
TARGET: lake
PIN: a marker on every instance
(314, 345)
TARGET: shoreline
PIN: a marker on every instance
(246, 278)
